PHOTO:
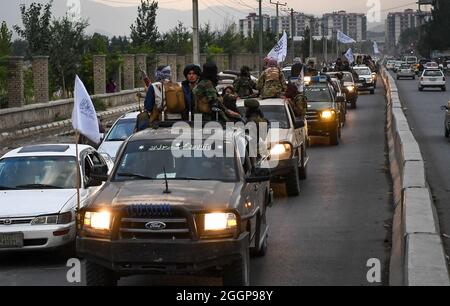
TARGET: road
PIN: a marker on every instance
(427, 123)
(325, 236)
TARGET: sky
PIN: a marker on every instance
(315, 7)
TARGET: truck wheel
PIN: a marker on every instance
(354, 104)
(260, 251)
(420, 88)
(238, 273)
(293, 183)
(372, 92)
(302, 170)
(444, 88)
(447, 132)
(334, 137)
(99, 276)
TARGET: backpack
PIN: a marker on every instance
(273, 74)
(245, 88)
(174, 98)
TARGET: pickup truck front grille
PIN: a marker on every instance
(15, 221)
(312, 115)
(172, 228)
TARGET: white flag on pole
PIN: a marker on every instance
(84, 117)
(279, 52)
(344, 38)
(349, 56)
(375, 48)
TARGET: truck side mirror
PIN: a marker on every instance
(299, 124)
(99, 174)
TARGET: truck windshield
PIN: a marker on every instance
(318, 94)
(363, 71)
(153, 160)
(121, 130)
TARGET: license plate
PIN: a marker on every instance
(11, 240)
(433, 79)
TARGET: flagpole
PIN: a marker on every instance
(77, 139)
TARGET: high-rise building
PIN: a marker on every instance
(352, 24)
(398, 22)
(250, 25)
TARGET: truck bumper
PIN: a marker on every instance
(127, 257)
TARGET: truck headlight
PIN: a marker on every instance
(64, 218)
(98, 220)
(327, 115)
(220, 221)
(281, 151)
(350, 88)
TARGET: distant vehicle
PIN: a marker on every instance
(226, 78)
(119, 132)
(446, 119)
(397, 65)
(38, 195)
(323, 111)
(390, 64)
(350, 88)
(287, 73)
(410, 59)
(365, 81)
(431, 65)
(432, 78)
(406, 71)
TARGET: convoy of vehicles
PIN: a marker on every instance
(365, 81)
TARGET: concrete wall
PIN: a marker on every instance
(417, 256)
(42, 113)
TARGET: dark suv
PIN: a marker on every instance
(323, 115)
(168, 208)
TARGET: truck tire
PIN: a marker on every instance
(293, 183)
(99, 276)
(353, 103)
(260, 251)
(420, 88)
(444, 88)
(372, 92)
(334, 137)
(238, 273)
(447, 132)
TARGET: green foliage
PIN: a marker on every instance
(5, 40)
(144, 32)
(36, 29)
(178, 40)
(66, 51)
(19, 47)
(99, 105)
(436, 33)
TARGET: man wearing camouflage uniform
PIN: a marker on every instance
(272, 83)
(244, 85)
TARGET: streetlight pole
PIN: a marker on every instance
(293, 33)
(260, 37)
(278, 4)
(195, 33)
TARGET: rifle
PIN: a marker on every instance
(145, 78)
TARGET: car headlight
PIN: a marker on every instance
(350, 88)
(98, 220)
(307, 79)
(64, 218)
(327, 115)
(281, 151)
(220, 221)
(370, 80)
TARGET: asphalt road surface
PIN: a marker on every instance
(325, 236)
(427, 123)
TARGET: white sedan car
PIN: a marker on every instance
(433, 78)
(119, 132)
(406, 71)
(38, 194)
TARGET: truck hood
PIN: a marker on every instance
(111, 148)
(282, 134)
(30, 203)
(191, 194)
(319, 106)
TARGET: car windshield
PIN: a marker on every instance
(365, 71)
(287, 74)
(318, 94)
(153, 160)
(53, 172)
(432, 73)
(275, 114)
(121, 130)
(347, 77)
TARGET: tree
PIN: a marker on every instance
(119, 44)
(207, 37)
(436, 33)
(178, 40)
(144, 32)
(5, 40)
(36, 30)
(67, 45)
(230, 41)
(305, 44)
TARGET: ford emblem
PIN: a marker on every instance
(155, 226)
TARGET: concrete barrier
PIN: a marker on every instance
(417, 256)
(12, 119)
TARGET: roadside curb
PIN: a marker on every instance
(62, 126)
(417, 257)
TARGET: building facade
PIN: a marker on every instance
(398, 22)
(352, 24)
(250, 25)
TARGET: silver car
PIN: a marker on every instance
(406, 71)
